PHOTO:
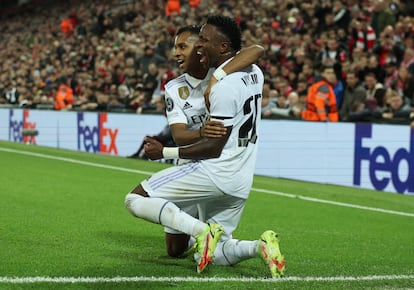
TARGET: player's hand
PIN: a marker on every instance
(213, 129)
(153, 148)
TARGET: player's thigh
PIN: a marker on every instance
(227, 212)
(184, 185)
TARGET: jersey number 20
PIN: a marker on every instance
(249, 126)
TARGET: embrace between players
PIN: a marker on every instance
(200, 201)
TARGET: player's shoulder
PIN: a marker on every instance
(247, 70)
(177, 82)
(252, 72)
(257, 70)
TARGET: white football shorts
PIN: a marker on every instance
(189, 187)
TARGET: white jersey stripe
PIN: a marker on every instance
(185, 170)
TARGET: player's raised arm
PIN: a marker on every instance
(245, 57)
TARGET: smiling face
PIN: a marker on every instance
(208, 46)
(185, 53)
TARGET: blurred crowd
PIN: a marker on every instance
(116, 55)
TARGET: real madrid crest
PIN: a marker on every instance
(183, 92)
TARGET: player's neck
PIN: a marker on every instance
(224, 57)
(199, 73)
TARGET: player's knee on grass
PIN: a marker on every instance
(129, 199)
(139, 190)
(177, 244)
(132, 196)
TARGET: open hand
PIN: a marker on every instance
(213, 129)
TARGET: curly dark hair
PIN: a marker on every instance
(193, 29)
(229, 27)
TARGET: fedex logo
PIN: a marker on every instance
(382, 162)
(96, 137)
(16, 126)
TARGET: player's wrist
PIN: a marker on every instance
(219, 74)
(171, 152)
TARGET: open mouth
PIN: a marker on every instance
(180, 62)
(203, 57)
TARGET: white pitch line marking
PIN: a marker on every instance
(307, 198)
(70, 160)
(61, 280)
(312, 199)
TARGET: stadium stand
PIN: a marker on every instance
(115, 55)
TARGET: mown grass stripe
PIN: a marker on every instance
(381, 210)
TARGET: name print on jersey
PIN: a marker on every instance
(250, 79)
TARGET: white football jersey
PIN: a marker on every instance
(184, 99)
(236, 101)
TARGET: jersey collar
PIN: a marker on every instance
(192, 81)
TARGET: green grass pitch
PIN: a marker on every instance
(62, 218)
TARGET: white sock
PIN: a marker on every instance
(162, 211)
(231, 252)
(191, 243)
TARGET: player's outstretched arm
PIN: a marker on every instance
(183, 136)
(205, 149)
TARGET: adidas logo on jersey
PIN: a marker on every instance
(187, 106)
